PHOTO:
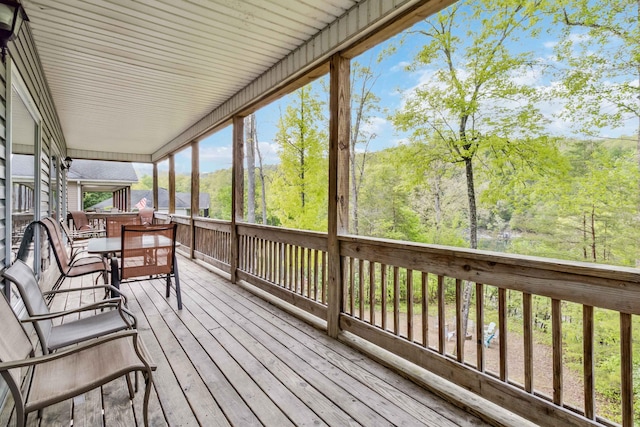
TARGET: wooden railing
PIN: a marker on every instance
(409, 299)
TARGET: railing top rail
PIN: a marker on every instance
(604, 286)
(601, 271)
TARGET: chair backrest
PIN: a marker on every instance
(14, 345)
(147, 250)
(80, 220)
(146, 216)
(68, 234)
(57, 243)
(25, 280)
(115, 223)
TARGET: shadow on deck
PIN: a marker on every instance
(231, 358)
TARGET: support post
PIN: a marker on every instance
(195, 192)
(155, 187)
(237, 192)
(172, 184)
(338, 220)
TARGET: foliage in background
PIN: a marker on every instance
(298, 194)
(92, 198)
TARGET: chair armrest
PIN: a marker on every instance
(33, 361)
(113, 303)
(85, 288)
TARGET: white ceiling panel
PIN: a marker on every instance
(128, 76)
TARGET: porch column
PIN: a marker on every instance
(155, 186)
(237, 192)
(172, 184)
(128, 196)
(195, 192)
(338, 220)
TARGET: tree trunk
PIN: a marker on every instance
(473, 240)
(584, 236)
(594, 254)
(263, 194)
(251, 167)
(438, 207)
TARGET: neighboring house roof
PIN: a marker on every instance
(100, 170)
(183, 200)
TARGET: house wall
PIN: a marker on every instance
(5, 186)
(73, 196)
(26, 62)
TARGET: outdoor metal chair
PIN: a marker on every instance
(78, 240)
(68, 268)
(38, 382)
(114, 224)
(81, 223)
(145, 216)
(113, 316)
(147, 251)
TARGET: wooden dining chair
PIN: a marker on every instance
(115, 223)
(38, 382)
(147, 251)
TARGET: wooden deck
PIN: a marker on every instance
(231, 358)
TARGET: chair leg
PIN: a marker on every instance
(129, 385)
(175, 273)
(147, 393)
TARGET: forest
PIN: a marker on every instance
(478, 164)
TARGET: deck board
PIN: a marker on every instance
(232, 358)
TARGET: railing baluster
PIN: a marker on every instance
(459, 322)
(626, 369)
(425, 309)
(502, 316)
(383, 295)
(325, 268)
(480, 354)
(309, 273)
(587, 354)
(396, 300)
(441, 316)
(302, 270)
(410, 305)
(316, 273)
(527, 319)
(372, 292)
(296, 268)
(289, 266)
(361, 289)
(556, 327)
(352, 281)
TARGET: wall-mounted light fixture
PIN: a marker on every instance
(66, 163)
(12, 15)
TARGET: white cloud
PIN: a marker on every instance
(400, 66)
(375, 125)
(269, 151)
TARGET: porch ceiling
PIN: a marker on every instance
(129, 76)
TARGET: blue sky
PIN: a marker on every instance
(394, 83)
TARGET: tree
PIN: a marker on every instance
(250, 153)
(364, 104)
(298, 193)
(599, 63)
(472, 102)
